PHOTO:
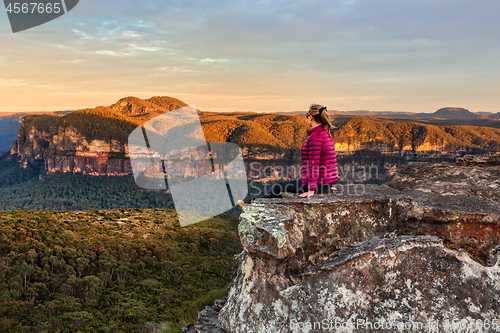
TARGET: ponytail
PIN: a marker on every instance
(320, 115)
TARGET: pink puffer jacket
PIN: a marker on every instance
(319, 160)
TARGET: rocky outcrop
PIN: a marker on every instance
(472, 175)
(371, 258)
(33, 140)
(409, 283)
(208, 319)
(91, 141)
(69, 151)
(41, 142)
(491, 159)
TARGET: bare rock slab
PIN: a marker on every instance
(382, 255)
(412, 281)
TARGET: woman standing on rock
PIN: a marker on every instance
(319, 160)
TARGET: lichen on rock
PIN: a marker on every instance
(391, 255)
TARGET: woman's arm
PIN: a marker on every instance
(312, 165)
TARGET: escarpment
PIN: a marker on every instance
(371, 258)
(90, 141)
(65, 149)
(33, 139)
(94, 141)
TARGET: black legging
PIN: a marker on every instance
(293, 186)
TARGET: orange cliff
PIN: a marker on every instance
(94, 141)
(66, 150)
(90, 141)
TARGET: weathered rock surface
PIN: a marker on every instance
(64, 149)
(32, 142)
(372, 255)
(477, 175)
(69, 151)
(491, 159)
(405, 280)
(208, 319)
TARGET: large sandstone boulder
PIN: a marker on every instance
(415, 256)
(475, 175)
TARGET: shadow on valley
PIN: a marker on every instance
(31, 188)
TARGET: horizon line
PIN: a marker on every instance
(235, 111)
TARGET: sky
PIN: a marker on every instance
(267, 55)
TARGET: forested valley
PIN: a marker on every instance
(128, 270)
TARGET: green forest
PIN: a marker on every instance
(32, 189)
(128, 270)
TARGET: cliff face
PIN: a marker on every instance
(91, 141)
(373, 258)
(64, 149)
(69, 151)
(94, 141)
(33, 140)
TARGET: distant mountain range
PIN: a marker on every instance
(95, 141)
(447, 113)
(138, 111)
(442, 116)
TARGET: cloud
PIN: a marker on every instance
(10, 83)
(176, 69)
(414, 50)
(214, 60)
(114, 53)
(130, 35)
